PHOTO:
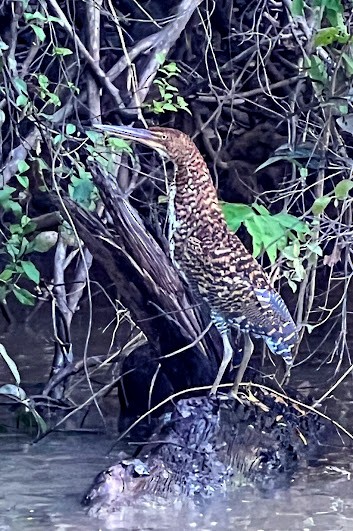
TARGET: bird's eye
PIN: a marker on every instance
(163, 136)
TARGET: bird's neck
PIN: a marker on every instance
(195, 193)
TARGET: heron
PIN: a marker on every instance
(213, 260)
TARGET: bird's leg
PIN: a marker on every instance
(248, 350)
(227, 358)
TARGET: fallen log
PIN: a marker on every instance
(210, 445)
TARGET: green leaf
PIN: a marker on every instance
(333, 5)
(73, 87)
(70, 129)
(43, 241)
(343, 109)
(22, 166)
(81, 190)
(42, 425)
(12, 390)
(255, 233)
(39, 32)
(169, 107)
(15, 228)
(170, 68)
(261, 209)
(161, 89)
(25, 220)
(158, 106)
(320, 204)
(23, 180)
(94, 136)
(119, 144)
(24, 296)
(12, 249)
(20, 85)
(41, 163)
(317, 70)
(291, 222)
(30, 271)
(29, 228)
(326, 36)
(55, 19)
(34, 16)
(57, 139)
(297, 8)
(315, 248)
(54, 99)
(6, 193)
(3, 45)
(235, 214)
(13, 206)
(83, 174)
(348, 63)
(160, 57)
(24, 245)
(10, 363)
(182, 104)
(6, 274)
(343, 188)
(299, 270)
(335, 16)
(62, 51)
(291, 252)
(278, 158)
(272, 234)
(43, 81)
(171, 88)
(21, 100)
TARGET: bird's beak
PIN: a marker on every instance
(143, 136)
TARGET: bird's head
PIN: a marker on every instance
(169, 143)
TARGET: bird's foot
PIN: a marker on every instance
(218, 394)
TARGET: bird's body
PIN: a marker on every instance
(212, 258)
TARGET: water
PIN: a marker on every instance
(42, 484)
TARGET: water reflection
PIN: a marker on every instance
(42, 484)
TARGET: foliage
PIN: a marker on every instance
(340, 193)
(290, 71)
(331, 31)
(17, 393)
(17, 246)
(170, 99)
(275, 235)
(270, 233)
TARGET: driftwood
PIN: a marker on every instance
(147, 284)
(209, 446)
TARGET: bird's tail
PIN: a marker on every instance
(282, 341)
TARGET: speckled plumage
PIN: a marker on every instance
(212, 258)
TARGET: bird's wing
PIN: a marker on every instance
(233, 273)
(269, 298)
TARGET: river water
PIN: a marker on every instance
(41, 484)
